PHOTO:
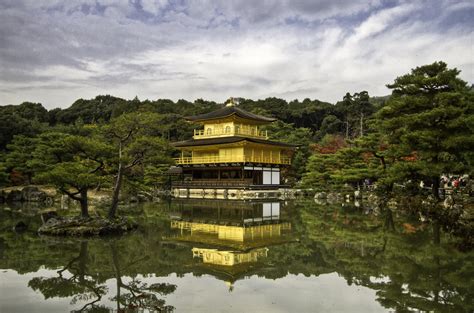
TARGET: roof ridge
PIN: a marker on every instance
(227, 111)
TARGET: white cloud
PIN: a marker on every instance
(56, 52)
(378, 22)
(153, 6)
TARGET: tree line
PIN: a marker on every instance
(420, 131)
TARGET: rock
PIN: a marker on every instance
(373, 198)
(27, 192)
(20, 227)
(14, 196)
(320, 195)
(357, 194)
(422, 218)
(133, 199)
(448, 202)
(78, 226)
(52, 221)
(49, 201)
(45, 217)
(320, 201)
(430, 201)
(143, 197)
(334, 197)
(38, 196)
(64, 202)
(32, 194)
(392, 204)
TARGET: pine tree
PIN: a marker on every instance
(429, 122)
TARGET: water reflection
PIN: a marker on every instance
(79, 281)
(229, 258)
(226, 234)
(263, 251)
(240, 225)
(73, 280)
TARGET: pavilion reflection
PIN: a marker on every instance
(231, 238)
(226, 224)
(229, 258)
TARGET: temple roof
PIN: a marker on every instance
(228, 111)
(230, 139)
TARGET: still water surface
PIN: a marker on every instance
(218, 256)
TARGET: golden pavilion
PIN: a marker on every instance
(231, 150)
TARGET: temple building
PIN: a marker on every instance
(231, 151)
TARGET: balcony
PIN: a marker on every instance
(233, 159)
(253, 132)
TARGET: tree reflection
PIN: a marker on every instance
(88, 287)
(411, 266)
(410, 269)
(80, 285)
(138, 295)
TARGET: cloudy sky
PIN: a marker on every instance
(55, 52)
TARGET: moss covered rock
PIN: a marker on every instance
(85, 227)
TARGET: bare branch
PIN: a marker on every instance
(72, 195)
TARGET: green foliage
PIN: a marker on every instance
(353, 166)
(428, 122)
(356, 109)
(144, 152)
(318, 171)
(19, 155)
(422, 130)
(331, 124)
(99, 109)
(349, 165)
(4, 180)
(73, 164)
(28, 119)
(74, 174)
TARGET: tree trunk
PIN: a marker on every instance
(116, 194)
(435, 187)
(361, 124)
(83, 256)
(118, 275)
(389, 224)
(117, 186)
(84, 203)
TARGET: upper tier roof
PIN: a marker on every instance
(228, 111)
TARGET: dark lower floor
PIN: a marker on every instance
(229, 176)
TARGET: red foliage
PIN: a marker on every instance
(334, 144)
(16, 178)
(367, 156)
(411, 158)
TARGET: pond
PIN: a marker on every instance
(237, 256)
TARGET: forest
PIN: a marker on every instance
(419, 132)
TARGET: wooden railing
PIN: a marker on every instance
(213, 183)
(233, 159)
(230, 131)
